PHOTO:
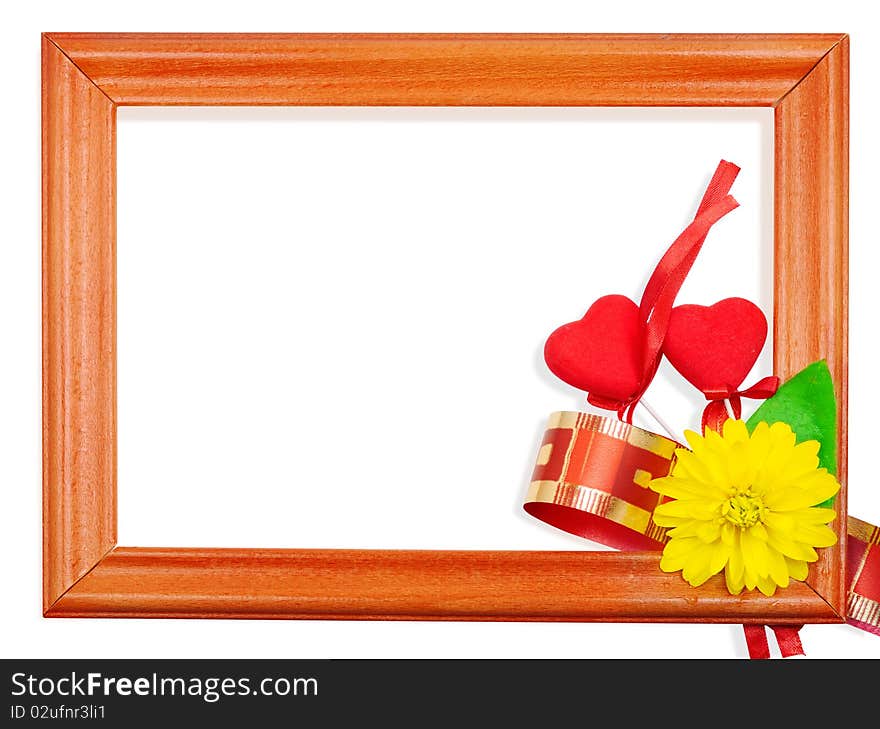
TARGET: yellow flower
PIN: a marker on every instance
(746, 505)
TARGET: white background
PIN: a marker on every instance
(331, 334)
(25, 633)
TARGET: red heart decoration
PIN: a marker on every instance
(715, 347)
(601, 353)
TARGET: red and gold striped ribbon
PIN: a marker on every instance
(591, 479)
(863, 575)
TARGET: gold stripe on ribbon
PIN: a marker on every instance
(657, 533)
(632, 434)
(863, 609)
(593, 501)
(861, 530)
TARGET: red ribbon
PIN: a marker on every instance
(716, 412)
(659, 295)
(786, 636)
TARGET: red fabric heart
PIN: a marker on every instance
(715, 347)
(602, 352)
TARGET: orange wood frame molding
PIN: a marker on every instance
(804, 78)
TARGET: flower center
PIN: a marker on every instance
(743, 509)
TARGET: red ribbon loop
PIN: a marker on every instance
(716, 413)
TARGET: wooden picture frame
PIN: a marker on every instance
(804, 78)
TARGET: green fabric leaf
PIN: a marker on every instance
(807, 403)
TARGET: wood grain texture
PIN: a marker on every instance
(79, 319)
(86, 75)
(406, 585)
(811, 257)
(461, 70)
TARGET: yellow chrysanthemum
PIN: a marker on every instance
(746, 505)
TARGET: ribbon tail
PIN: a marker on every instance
(736, 405)
(756, 642)
(787, 637)
(720, 184)
(714, 416)
(762, 389)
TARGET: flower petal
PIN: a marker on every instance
(778, 568)
(689, 466)
(685, 529)
(782, 441)
(791, 548)
(760, 444)
(797, 569)
(767, 586)
(740, 471)
(714, 456)
(718, 557)
(734, 584)
(709, 531)
(694, 440)
(685, 487)
(804, 459)
(704, 563)
(677, 552)
(673, 564)
(735, 431)
(670, 521)
(756, 556)
(811, 490)
(750, 578)
(778, 521)
(735, 564)
(782, 436)
(816, 535)
(814, 515)
(690, 508)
